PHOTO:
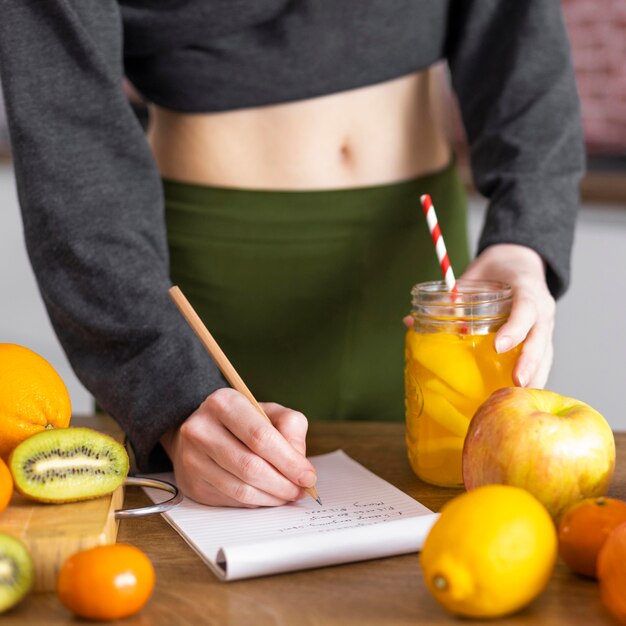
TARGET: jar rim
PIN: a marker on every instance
(484, 302)
(436, 292)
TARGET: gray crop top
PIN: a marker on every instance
(215, 55)
(91, 196)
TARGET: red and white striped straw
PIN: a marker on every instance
(440, 246)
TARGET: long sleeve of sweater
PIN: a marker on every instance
(511, 68)
(93, 217)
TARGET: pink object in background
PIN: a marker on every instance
(597, 30)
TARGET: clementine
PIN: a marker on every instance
(6, 485)
(612, 573)
(583, 529)
(32, 396)
(106, 582)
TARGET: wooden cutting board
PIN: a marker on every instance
(53, 532)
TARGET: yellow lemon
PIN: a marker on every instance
(33, 397)
(490, 553)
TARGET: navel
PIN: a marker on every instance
(346, 155)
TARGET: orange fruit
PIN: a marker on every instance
(6, 485)
(32, 396)
(106, 582)
(583, 529)
(612, 573)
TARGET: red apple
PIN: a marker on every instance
(559, 449)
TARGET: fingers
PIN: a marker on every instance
(219, 487)
(532, 315)
(291, 424)
(531, 321)
(522, 318)
(228, 454)
(245, 467)
(259, 435)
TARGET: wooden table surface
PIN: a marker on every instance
(383, 592)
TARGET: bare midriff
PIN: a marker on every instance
(381, 134)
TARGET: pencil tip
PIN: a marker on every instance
(318, 500)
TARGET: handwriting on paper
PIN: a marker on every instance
(345, 516)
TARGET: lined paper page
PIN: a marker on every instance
(362, 517)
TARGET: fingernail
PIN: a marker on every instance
(307, 479)
(503, 344)
(522, 379)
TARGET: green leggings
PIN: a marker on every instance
(305, 291)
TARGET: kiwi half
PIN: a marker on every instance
(68, 464)
(16, 571)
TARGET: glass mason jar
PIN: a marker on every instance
(451, 368)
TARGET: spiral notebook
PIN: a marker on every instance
(363, 517)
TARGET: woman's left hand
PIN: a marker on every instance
(532, 315)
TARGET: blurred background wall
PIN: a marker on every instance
(590, 336)
(598, 34)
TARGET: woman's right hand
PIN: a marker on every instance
(227, 454)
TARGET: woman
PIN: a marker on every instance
(294, 139)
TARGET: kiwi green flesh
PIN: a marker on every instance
(16, 571)
(68, 464)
